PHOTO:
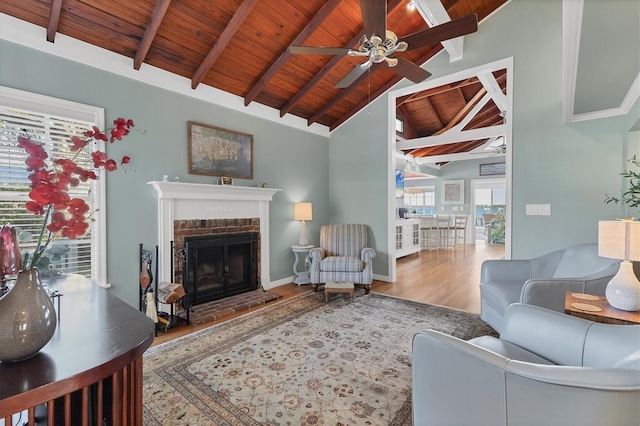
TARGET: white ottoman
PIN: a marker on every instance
(338, 287)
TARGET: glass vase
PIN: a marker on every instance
(10, 257)
(27, 318)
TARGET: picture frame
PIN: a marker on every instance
(215, 151)
(453, 192)
(226, 180)
(491, 169)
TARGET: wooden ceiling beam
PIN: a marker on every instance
(317, 20)
(438, 90)
(326, 69)
(150, 33)
(54, 19)
(326, 107)
(463, 113)
(223, 40)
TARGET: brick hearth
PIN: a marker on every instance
(217, 309)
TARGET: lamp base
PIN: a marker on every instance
(623, 291)
(303, 241)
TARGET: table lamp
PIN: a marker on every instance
(303, 212)
(620, 239)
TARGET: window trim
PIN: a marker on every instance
(15, 98)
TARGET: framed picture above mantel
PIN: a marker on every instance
(214, 151)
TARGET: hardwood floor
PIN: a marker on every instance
(447, 278)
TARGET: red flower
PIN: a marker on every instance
(50, 186)
(34, 207)
(75, 228)
(99, 159)
(58, 221)
(78, 143)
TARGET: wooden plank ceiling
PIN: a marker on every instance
(434, 111)
(241, 47)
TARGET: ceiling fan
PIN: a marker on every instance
(494, 148)
(378, 49)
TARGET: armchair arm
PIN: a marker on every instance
(621, 379)
(449, 373)
(505, 271)
(315, 255)
(550, 293)
(366, 254)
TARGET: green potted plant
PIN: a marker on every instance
(631, 197)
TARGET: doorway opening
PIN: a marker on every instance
(489, 200)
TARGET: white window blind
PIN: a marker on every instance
(42, 125)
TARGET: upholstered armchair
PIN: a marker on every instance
(343, 255)
(547, 368)
(542, 281)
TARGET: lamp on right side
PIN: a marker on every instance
(620, 239)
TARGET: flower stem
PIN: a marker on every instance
(39, 246)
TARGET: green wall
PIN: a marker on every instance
(345, 176)
(568, 166)
(293, 160)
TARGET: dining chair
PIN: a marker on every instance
(445, 231)
(428, 233)
(460, 230)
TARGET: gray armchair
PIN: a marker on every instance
(542, 281)
(343, 255)
(546, 368)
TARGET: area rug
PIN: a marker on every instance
(301, 361)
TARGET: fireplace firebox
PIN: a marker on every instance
(219, 266)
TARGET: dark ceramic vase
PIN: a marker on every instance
(27, 318)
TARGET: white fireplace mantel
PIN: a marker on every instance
(184, 201)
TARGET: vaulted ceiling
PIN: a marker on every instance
(242, 47)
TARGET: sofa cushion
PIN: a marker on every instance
(501, 294)
(580, 261)
(342, 264)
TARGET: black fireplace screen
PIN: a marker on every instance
(220, 266)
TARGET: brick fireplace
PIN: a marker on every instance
(201, 210)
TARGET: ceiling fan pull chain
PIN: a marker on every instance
(369, 102)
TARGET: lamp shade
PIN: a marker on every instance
(302, 211)
(619, 239)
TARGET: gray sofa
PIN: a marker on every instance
(546, 368)
(542, 281)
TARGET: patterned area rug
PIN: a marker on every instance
(301, 361)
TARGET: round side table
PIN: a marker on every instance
(302, 277)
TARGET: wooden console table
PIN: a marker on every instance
(90, 373)
(573, 302)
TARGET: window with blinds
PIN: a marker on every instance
(53, 131)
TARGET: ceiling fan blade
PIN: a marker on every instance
(410, 70)
(452, 29)
(374, 16)
(353, 75)
(319, 50)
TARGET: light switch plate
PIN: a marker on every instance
(538, 209)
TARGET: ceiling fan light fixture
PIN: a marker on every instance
(378, 55)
